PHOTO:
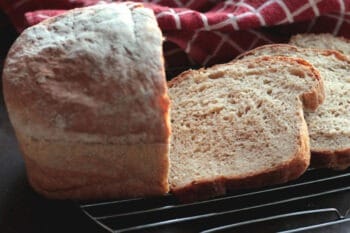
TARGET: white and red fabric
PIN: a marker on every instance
(200, 32)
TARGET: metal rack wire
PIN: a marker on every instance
(319, 201)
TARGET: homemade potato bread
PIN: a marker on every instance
(329, 126)
(87, 96)
(240, 125)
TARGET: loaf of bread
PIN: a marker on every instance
(240, 125)
(329, 126)
(87, 96)
(321, 41)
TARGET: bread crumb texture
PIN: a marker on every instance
(329, 126)
(240, 120)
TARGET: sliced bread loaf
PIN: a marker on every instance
(240, 125)
(322, 41)
(329, 127)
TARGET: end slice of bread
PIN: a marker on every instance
(321, 41)
(240, 125)
(329, 126)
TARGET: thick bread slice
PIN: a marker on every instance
(240, 125)
(87, 96)
(321, 41)
(329, 127)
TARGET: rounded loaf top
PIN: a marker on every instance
(94, 73)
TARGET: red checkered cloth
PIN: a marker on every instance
(199, 32)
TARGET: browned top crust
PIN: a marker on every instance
(87, 76)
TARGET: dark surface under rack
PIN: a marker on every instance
(317, 202)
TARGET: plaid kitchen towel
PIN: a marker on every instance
(206, 32)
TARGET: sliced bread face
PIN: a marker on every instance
(321, 41)
(329, 126)
(240, 125)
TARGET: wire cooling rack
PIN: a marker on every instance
(319, 201)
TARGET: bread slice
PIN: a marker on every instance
(87, 96)
(321, 41)
(240, 125)
(329, 127)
